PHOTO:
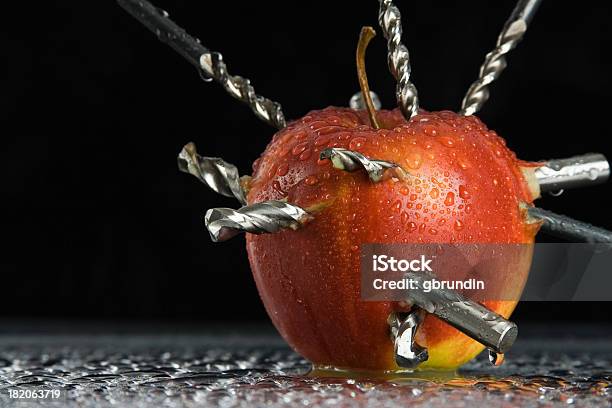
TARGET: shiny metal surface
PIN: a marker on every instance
(577, 171)
(210, 63)
(390, 21)
(350, 160)
(408, 354)
(357, 103)
(469, 317)
(570, 229)
(260, 218)
(219, 175)
(495, 61)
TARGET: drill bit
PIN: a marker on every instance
(349, 160)
(390, 21)
(577, 171)
(567, 228)
(495, 61)
(261, 218)
(357, 102)
(467, 316)
(408, 353)
(208, 62)
(219, 175)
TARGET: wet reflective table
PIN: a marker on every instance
(228, 368)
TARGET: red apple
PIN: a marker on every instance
(466, 186)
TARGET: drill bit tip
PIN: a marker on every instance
(221, 176)
(261, 218)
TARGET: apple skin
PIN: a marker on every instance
(465, 186)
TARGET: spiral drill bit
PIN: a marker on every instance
(408, 353)
(567, 228)
(209, 63)
(261, 218)
(349, 160)
(390, 21)
(219, 175)
(495, 61)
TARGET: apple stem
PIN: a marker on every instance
(366, 34)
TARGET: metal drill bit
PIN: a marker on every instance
(216, 173)
(495, 61)
(495, 359)
(350, 160)
(408, 353)
(209, 63)
(577, 171)
(467, 316)
(390, 21)
(570, 229)
(261, 218)
(357, 102)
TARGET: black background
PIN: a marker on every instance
(98, 223)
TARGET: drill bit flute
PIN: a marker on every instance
(495, 61)
(390, 21)
(208, 62)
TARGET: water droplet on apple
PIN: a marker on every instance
(300, 135)
(458, 225)
(396, 206)
(299, 148)
(463, 192)
(450, 199)
(311, 180)
(305, 154)
(357, 143)
(282, 170)
(447, 141)
(321, 140)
